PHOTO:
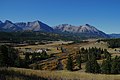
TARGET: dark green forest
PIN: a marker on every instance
(20, 37)
(9, 57)
(90, 56)
(32, 37)
(113, 43)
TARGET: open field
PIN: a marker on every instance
(52, 46)
(103, 45)
(66, 75)
(48, 66)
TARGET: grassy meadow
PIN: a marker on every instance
(62, 75)
(48, 70)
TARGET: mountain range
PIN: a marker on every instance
(9, 26)
(83, 29)
(114, 35)
(22, 26)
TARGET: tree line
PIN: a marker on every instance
(108, 66)
(90, 56)
(9, 57)
(32, 37)
(113, 43)
(87, 55)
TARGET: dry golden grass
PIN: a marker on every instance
(71, 49)
(102, 45)
(77, 75)
(67, 75)
(51, 46)
(37, 47)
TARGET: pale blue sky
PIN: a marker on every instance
(103, 14)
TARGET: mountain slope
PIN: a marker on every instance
(9, 26)
(84, 29)
(1, 22)
(34, 26)
(22, 26)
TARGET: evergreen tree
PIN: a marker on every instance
(62, 49)
(88, 67)
(92, 66)
(69, 63)
(118, 66)
(96, 67)
(79, 61)
(27, 59)
(8, 56)
(115, 68)
(18, 62)
(106, 66)
(13, 56)
(106, 53)
(4, 56)
(33, 57)
(82, 51)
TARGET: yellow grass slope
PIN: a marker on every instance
(67, 75)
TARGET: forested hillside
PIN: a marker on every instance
(28, 36)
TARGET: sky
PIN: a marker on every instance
(103, 14)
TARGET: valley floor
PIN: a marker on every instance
(52, 74)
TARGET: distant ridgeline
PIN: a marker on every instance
(86, 30)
